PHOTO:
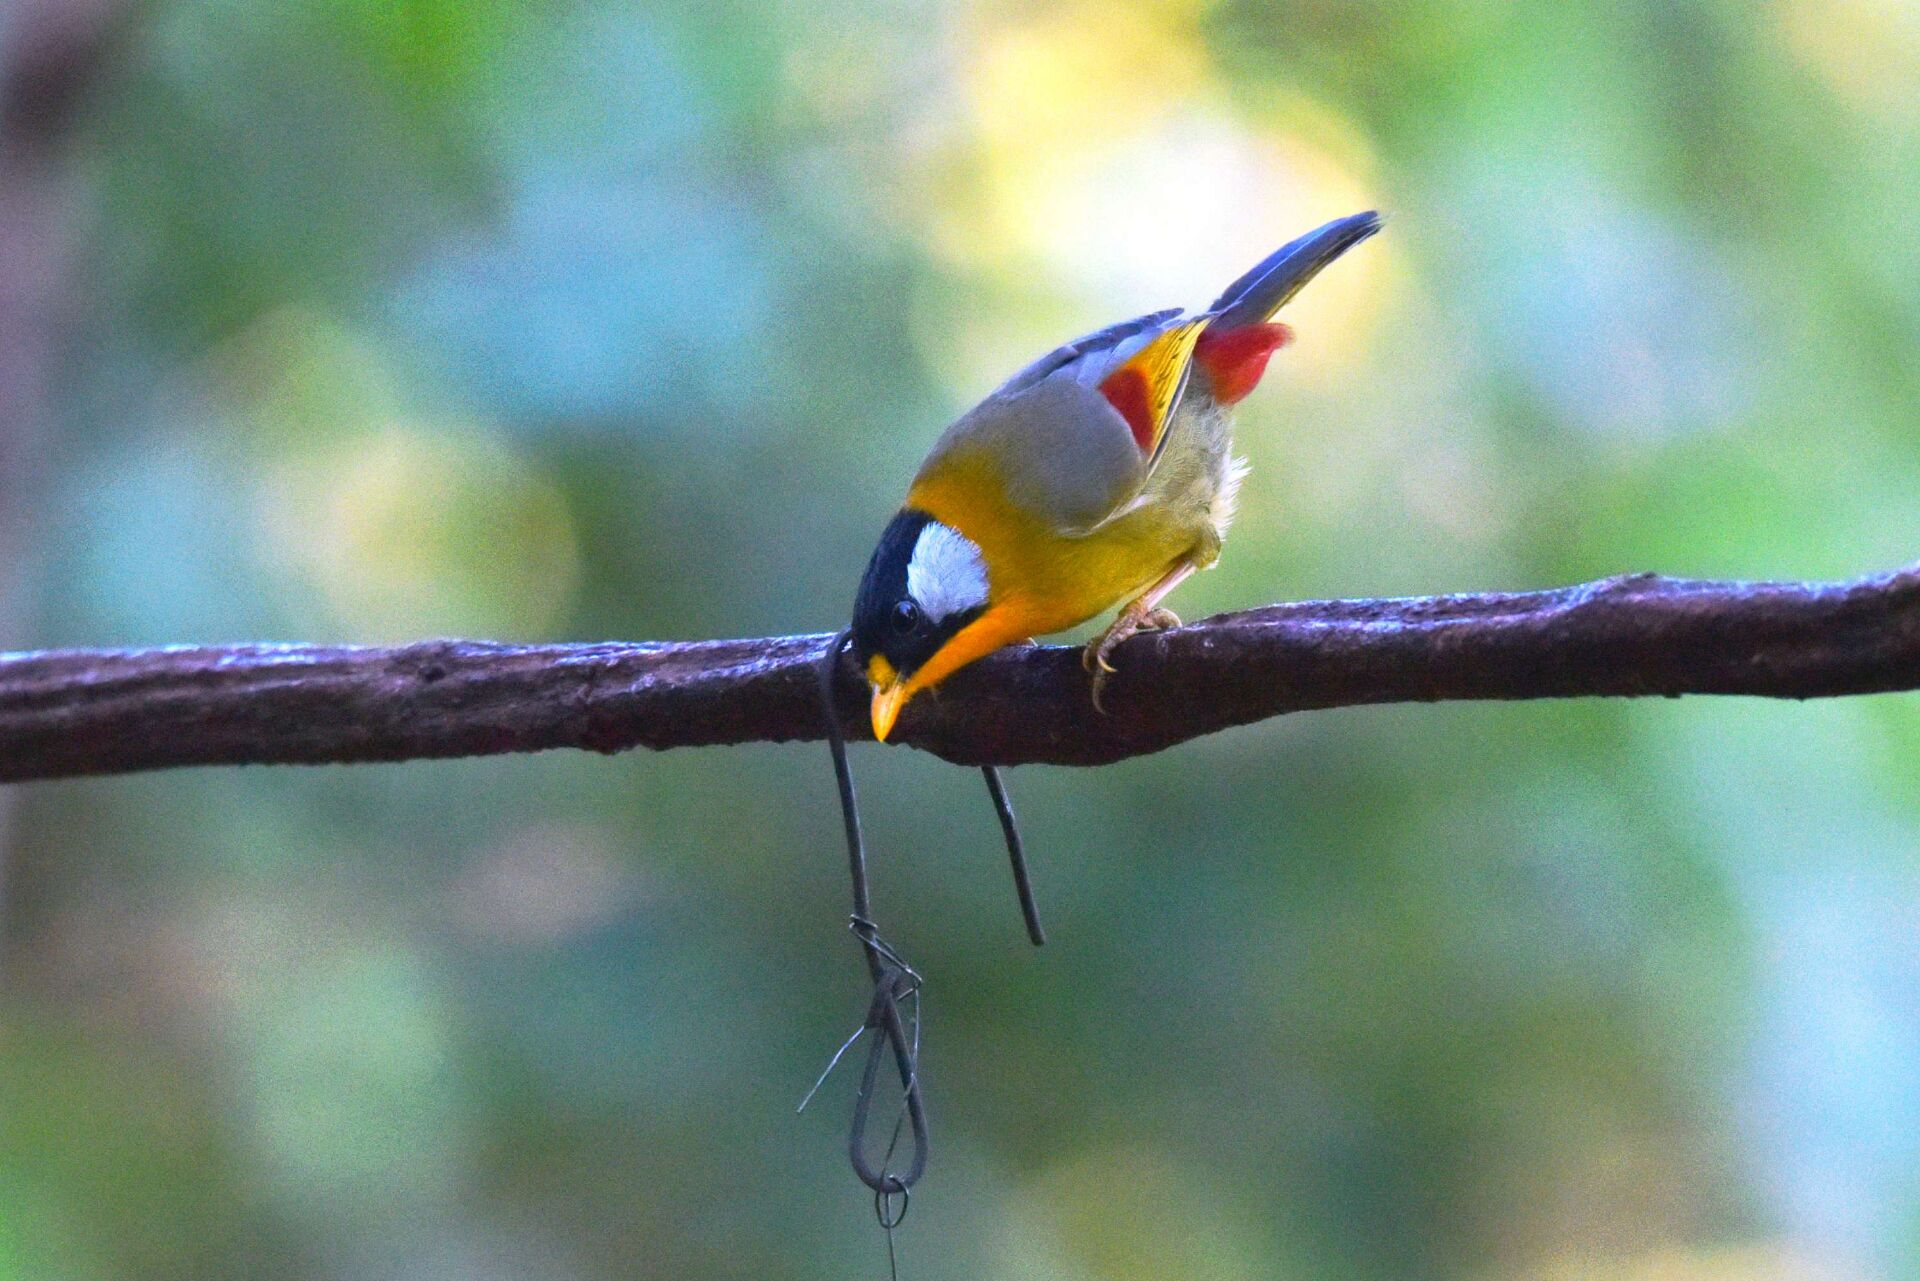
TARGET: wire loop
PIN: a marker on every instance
(894, 980)
(883, 1207)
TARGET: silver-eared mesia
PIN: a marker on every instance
(1101, 473)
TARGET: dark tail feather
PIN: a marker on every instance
(1254, 297)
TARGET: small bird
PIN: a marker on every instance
(1101, 473)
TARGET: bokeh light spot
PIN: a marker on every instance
(409, 530)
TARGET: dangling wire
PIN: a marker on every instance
(883, 1208)
(893, 980)
(1016, 854)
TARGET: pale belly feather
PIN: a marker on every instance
(1181, 515)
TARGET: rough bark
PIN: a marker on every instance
(88, 712)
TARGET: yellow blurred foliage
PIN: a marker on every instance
(410, 530)
(1104, 1215)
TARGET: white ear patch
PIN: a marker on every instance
(946, 574)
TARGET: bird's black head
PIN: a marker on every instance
(925, 583)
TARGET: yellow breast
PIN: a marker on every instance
(1042, 579)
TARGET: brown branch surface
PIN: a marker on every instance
(81, 712)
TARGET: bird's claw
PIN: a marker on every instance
(1094, 659)
(1094, 656)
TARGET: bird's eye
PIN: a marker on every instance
(906, 616)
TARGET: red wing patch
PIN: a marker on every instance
(1147, 387)
(1126, 390)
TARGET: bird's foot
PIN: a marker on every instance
(1130, 620)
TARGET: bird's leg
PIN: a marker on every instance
(1141, 615)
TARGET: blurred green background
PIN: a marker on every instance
(554, 320)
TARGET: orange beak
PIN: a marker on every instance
(887, 702)
(890, 693)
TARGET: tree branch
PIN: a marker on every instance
(81, 712)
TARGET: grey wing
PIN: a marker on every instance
(1067, 455)
(1063, 452)
(1098, 340)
